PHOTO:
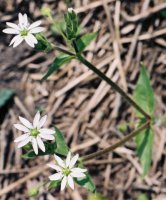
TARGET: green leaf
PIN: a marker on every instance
(71, 21)
(142, 197)
(5, 95)
(43, 44)
(54, 184)
(96, 196)
(58, 62)
(85, 40)
(163, 13)
(86, 183)
(144, 142)
(143, 94)
(62, 147)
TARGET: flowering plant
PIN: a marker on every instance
(44, 141)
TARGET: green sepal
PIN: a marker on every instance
(43, 44)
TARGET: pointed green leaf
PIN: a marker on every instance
(62, 147)
(58, 62)
(85, 40)
(86, 183)
(144, 142)
(143, 94)
(5, 95)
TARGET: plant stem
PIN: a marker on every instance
(111, 83)
(114, 146)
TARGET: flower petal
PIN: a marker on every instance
(30, 40)
(56, 167)
(77, 174)
(59, 161)
(14, 39)
(25, 20)
(42, 121)
(40, 144)
(24, 142)
(25, 122)
(34, 145)
(12, 25)
(46, 136)
(35, 24)
(73, 161)
(22, 137)
(21, 127)
(36, 119)
(47, 131)
(78, 170)
(17, 41)
(37, 30)
(21, 20)
(10, 31)
(68, 159)
(63, 183)
(55, 177)
(70, 182)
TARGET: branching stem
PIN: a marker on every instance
(118, 144)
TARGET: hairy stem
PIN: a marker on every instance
(118, 144)
(114, 85)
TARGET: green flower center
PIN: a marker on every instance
(24, 32)
(34, 132)
(66, 171)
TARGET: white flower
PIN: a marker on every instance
(34, 133)
(66, 171)
(70, 10)
(23, 31)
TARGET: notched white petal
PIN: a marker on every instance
(42, 121)
(25, 122)
(63, 183)
(34, 24)
(46, 136)
(24, 142)
(34, 145)
(70, 182)
(59, 161)
(22, 137)
(40, 144)
(73, 161)
(36, 119)
(10, 31)
(21, 127)
(56, 167)
(55, 177)
(47, 131)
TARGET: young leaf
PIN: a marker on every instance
(86, 183)
(143, 94)
(85, 40)
(62, 147)
(58, 62)
(71, 21)
(144, 142)
(5, 95)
